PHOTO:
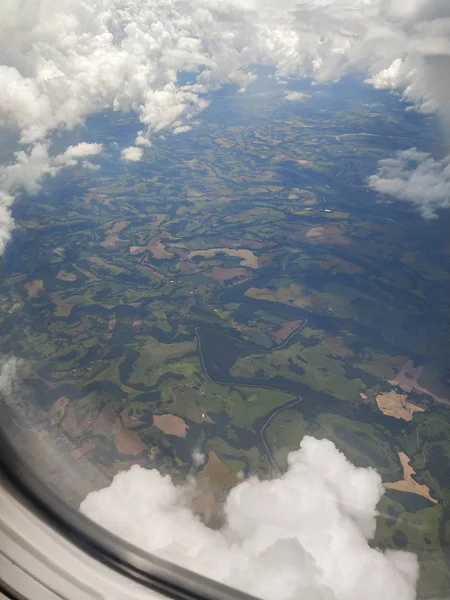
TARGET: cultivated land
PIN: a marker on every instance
(408, 483)
(239, 289)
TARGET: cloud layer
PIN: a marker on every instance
(302, 535)
(417, 178)
(62, 61)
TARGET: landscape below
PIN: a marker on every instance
(239, 288)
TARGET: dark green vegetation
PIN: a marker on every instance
(231, 274)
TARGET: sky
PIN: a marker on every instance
(62, 61)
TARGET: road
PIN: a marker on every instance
(342, 171)
(263, 428)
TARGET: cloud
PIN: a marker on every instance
(6, 219)
(61, 62)
(198, 457)
(182, 129)
(131, 154)
(82, 150)
(419, 71)
(302, 535)
(297, 96)
(28, 169)
(65, 61)
(11, 371)
(86, 164)
(417, 178)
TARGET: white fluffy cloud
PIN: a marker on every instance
(62, 61)
(131, 154)
(302, 535)
(198, 458)
(297, 96)
(417, 178)
(81, 151)
(182, 129)
(28, 169)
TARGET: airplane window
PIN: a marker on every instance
(225, 283)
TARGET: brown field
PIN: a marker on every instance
(215, 475)
(171, 425)
(58, 409)
(155, 246)
(194, 193)
(408, 376)
(329, 234)
(266, 259)
(259, 210)
(73, 428)
(411, 377)
(126, 441)
(247, 256)
(395, 405)
(82, 327)
(285, 331)
(159, 218)
(205, 505)
(61, 374)
(283, 156)
(386, 366)
(118, 226)
(221, 274)
(63, 307)
(129, 420)
(65, 276)
(254, 191)
(408, 483)
(265, 138)
(104, 422)
(176, 248)
(35, 288)
(113, 234)
(84, 449)
(293, 294)
(336, 345)
(188, 267)
(252, 244)
(431, 381)
(111, 240)
(224, 192)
